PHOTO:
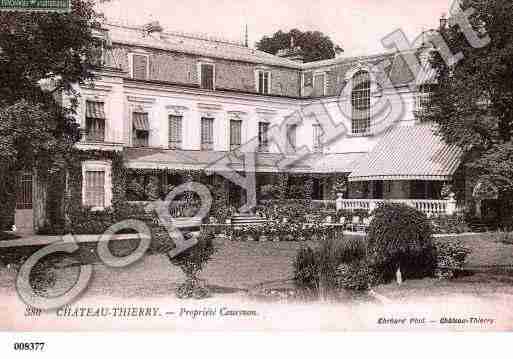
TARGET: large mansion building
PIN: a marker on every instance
(171, 103)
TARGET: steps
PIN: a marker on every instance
(240, 220)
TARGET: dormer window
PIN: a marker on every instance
(263, 82)
(207, 76)
(360, 101)
(319, 84)
(140, 66)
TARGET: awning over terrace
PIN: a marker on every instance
(151, 158)
(409, 153)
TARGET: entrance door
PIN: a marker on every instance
(24, 216)
(378, 190)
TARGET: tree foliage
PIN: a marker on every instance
(314, 44)
(473, 100)
(42, 56)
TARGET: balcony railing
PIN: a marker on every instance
(430, 207)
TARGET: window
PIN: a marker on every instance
(264, 82)
(319, 84)
(95, 121)
(94, 194)
(360, 101)
(263, 140)
(175, 132)
(317, 137)
(98, 52)
(140, 65)
(422, 100)
(140, 129)
(207, 133)
(207, 76)
(235, 133)
(291, 138)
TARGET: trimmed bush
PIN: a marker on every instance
(317, 270)
(358, 275)
(400, 237)
(191, 262)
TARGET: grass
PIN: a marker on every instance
(240, 266)
(488, 249)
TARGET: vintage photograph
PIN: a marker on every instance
(256, 166)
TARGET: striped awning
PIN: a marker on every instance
(140, 121)
(95, 110)
(409, 153)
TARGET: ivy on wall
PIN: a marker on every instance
(7, 200)
(66, 214)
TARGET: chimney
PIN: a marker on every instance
(294, 53)
(154, 29)
(443, 21)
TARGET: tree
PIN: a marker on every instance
(42, 56)
(314, 44)
(473, 101)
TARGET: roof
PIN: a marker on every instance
(194, 44)
(393, 64)
(409, 153)
(218, 160)
(335, 162)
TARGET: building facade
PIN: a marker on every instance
(169, 105)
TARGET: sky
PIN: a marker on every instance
(357, 25)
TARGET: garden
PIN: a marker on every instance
(299, 256)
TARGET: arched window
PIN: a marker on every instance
(360, 101)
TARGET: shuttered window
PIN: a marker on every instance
(319, 83)
(94, 189)
(95, 121)
(140, 67)
(141, 129)
(291, 138)
(264, 79)
(207, 76)
(317, 137)
(207, 133)
(263, 141)
(175, 132)
(235, 133)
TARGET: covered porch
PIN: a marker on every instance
(410, 165)
(152, 173)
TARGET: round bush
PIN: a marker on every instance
(401, 237)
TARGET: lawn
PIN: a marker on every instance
(241, 265)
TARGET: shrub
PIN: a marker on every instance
(450, 254)
(400, 237)
(357, 275)
(191, 262)
(450, 224)
(318, 270)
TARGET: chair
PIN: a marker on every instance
(355, 223)
(366, 223)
